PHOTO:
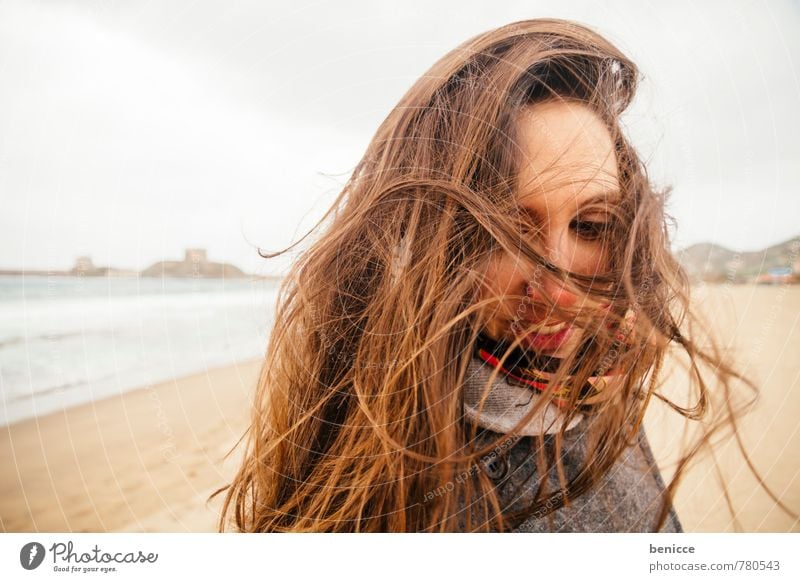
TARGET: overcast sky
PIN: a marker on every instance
(131, 130)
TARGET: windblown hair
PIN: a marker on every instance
(358, 413)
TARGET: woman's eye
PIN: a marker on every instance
(590, 229)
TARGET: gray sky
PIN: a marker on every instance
(131, 130)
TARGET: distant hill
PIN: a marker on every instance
(714, 263)
(181, 269)
(194, 264)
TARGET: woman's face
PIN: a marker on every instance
(567, 180)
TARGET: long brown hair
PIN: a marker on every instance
(358, 412)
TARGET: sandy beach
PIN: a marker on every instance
(759, 328)
(147, 460)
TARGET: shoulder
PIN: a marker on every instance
(626, 499)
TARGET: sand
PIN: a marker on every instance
(759, 327)
(143, 461)
(147, 460)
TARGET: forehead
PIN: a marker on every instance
(567, 155)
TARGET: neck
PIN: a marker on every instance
(520, 357)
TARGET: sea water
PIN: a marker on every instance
(70, 340)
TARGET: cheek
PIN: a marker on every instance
(502, 277)
(599, 261)
(504, 283)
(590, 259)
(498, 282)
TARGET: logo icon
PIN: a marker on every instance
(31, 555)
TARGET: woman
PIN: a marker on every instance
(472, 342)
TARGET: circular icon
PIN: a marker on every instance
(31, 555)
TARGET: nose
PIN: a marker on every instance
(553, 289)
(558, 253)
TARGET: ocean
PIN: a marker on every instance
(69, 340)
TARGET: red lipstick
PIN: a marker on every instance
(543, 342)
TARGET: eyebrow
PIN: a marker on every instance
(610, 195)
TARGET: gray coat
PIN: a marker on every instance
(627, 499)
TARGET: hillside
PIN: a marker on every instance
(714, 263)
(182, 269)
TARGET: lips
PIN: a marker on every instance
(548, 338)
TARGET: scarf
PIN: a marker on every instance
(528, 370)
(506, 404)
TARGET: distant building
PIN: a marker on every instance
(196, 256)
(84, 266)
(775, 276)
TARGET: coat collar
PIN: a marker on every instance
(507, 404)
